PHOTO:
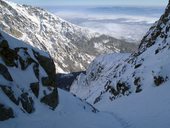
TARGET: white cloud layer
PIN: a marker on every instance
(123, 26)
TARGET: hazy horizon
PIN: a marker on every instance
(94, 2)
(122, 19)
(130, 23)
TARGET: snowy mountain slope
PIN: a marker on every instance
(112, 81)
(27, 77)
(96, 76)
(27, 84)
(70, 112)
(60, 38)
(122, 74)
(149, 109)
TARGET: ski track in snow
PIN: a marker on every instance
(123, 122)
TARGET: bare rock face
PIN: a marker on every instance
(27, 75)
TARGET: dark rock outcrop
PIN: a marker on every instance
(10, 94)
(51, 99)
(49, 66)
(5, 113)
(9, 56)
(4, 72)
(35, 88)
(27, 103)
(38, 71)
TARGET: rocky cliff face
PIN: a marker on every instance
(27, 76)
(112, 76)
(71, 46)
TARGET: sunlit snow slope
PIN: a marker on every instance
(134, 88)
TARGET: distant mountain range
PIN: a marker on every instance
(72, 47)
(122, 22)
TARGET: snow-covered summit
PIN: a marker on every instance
(72, 47)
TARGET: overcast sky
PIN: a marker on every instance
(94, 2)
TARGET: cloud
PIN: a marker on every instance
(126, 26)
